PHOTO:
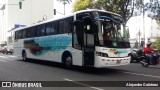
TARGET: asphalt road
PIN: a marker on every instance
(14, 69)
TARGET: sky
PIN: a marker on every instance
(60, 8)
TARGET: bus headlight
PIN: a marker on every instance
(101, 54)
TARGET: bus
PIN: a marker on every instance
(94, 38)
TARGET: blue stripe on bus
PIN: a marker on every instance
(42, 45)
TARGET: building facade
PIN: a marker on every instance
(33, 11)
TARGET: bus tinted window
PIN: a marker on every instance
(61, 27)
(54, 27)
(20, 34)
(16, 35)
(48, 29)
(24, 33)
(79, 17)
(28, 33)
(33, 31)
(68, 24)
(40, 30)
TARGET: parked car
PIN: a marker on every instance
(1, 49)
(7, 50)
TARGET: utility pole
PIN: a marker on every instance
(143, 22)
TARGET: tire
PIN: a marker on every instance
(24, 56)
(137, 61)
(68, 61)
(132, 59)
(144, 64)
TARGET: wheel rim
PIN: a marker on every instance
(68, 61)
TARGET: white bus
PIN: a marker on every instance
(93, 38)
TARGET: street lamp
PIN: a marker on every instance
(143, 24)
(64, 6)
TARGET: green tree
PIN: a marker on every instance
(156, 44)
(154, 7)
(123, 7)
(65, 2)
(82, 4)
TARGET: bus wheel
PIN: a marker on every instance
(68, 61)
(24, 56)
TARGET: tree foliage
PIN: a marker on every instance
(123, 7)
(153, 6)
(82, 4)
(156, 44)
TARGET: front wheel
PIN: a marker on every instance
(144, 63)
(68, 61)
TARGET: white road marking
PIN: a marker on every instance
(3, 61)
(13, 56)
(139, 74)
(83, 84)
(3, 57)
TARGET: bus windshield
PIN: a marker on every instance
(112, 32)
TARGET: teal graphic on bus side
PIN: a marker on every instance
(42, 45)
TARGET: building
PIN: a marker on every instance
(151, 29)
(33, 11)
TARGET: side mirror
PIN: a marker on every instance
(88, 24)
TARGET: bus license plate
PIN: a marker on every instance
(118, 61)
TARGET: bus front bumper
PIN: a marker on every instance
(101, 62)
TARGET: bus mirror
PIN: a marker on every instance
(87, 24)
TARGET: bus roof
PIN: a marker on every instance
(72, 14)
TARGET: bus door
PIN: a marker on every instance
(89, 41)
(83, 39)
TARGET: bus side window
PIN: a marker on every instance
(54, 27)
(37, 33)
(77, 32)
(68, 24)
(33, 31)
(48, 29)
(16, 35)
(40, 30)
(61, 27)
(28, 33)
(20, 34)
(24, 33)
